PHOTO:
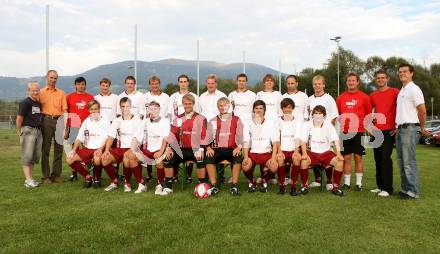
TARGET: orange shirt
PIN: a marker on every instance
(53, 101)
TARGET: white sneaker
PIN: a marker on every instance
(127, 188)
(259, 180)
(141, 188)
(111, 187)
(230, 180)
(159, 189)
(383, 194)
(314, 184)
(329, 186)
(166, 191)
(375, 191)
(30, 184)
(273, 181)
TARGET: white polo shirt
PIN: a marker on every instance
(242, 103)
(126, 130)
(301, 105)
(92, 133)
(410, 96)
(319, 140)
(289, 132)
(208, 103)
(155, 132)
(137, 103)
(272, 100)
(329, 104)
(175, 104)
(109, 104)
(162, 99)
(260, 137)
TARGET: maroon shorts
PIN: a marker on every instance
(323, 159)
(288, 156)
(260, 158)
(86, 154)
(118, 153)
(148, 153)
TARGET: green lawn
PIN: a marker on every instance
(65, 218)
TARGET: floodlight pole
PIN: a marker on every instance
(135, 53)
(47, 38)
(337, 39)
(279, 75)
(198, 67)
(244, 61)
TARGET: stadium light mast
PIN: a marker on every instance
(337, 39)
(244, 61)
(432, 108)
(198, 67)
(47, 38)
(279, 75)
(135, 52)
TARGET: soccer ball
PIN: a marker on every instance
(201, 190)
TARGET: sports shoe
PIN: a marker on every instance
(358, 188)
(263, 188)
(304, 190)
(141, 188)
(148, 179)
(273, 181)
(96, 184)
(175, 179)
(282, 190)
(293, 191)
(121, 178)
(329, 186)
(314, 184)
(127, 188)
(252, 188)
(166, 191)
(259, 180)
(234, 191)
(73, 177)
(47, 181)
(158, 190)
(383, 194)
(375, 190)
(111, 187)
(87, 184)
(338, 192)
(213, 191)
(59, 179)
(30, 184)
(345, 187)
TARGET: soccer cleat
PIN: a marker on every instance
(304, 190)
(345, 187)
(383, 194)
(127, 188)
(111, 187)
(234, 191)
(213, 191)
(282, 190)
(314, 184)
(375, 190)
(121, 178)
(158, 190)
(141, 188)
(189, 180)
(148, 179)
(263, 188)
(73, 177)
(31, 184)
(329, 186)
(293, 191)
(166, 191)
(338, 192)
(96, 184)
(358, 188)
(88, 184)
(252, 188)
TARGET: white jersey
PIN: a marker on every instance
(175, 104)
(162, 99)
(290, 131)
(208, 104)
(109, 105)
(260, 137)
(272, 100)
(93, 134)
(301, 111)
(126, 130)
(137, 103)
(327, 102)
(319, 139)
(155, 132)
(410, 96)
(242, 104)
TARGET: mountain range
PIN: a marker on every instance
(12, 88)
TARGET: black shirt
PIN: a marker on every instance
(31, 112)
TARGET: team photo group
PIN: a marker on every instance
(285, 135)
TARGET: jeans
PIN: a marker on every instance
(406, 141)
(384, 163)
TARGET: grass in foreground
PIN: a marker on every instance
(64, 218)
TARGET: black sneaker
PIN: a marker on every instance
(345, 187)
(304, 190)
(189, 180)
(73, 177)
(282, 190)
(148, 179)
(234, 191)
(252, 188)
(403, 195)
(88, 184)
(96, 184)
(338, 192)
(121, 178)
(293, 192)
(358, 188)
(213, 191)
(175, 179)
(263, 188)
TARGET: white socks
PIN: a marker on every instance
(359, 178)
(347, 179)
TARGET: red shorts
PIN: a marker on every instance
(323, 159)
(288, 156)
(118, 153)
(148, 153)
(260, 158)
(86, 154)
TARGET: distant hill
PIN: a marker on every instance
(12, 88)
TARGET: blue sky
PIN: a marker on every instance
(85, 34)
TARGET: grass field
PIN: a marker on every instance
(65, 218)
